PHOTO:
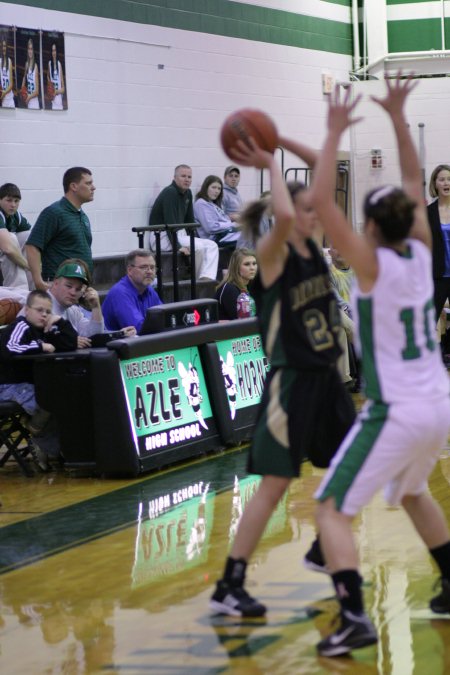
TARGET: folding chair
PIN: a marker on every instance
(14, 434)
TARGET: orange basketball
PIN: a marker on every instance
(50, 93)
(244, 123)
(8, 310)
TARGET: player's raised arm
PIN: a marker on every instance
(398, 90)
(271, 248)
(307, 154)
(355, 249)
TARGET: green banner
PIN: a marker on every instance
(244, 369)
(167, 399)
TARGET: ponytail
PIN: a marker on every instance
(250, 217)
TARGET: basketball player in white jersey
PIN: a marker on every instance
(56, 78)
(31, 78)
(395, 441)
(6, 77)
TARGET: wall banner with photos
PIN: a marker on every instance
(32, 69)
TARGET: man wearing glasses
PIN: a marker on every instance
(127, 301)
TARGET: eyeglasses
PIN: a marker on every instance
(145, 268)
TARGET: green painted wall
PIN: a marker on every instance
(409, 2)
(416, 35)
(219, 17)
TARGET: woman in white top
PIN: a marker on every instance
(6, 70)
(31, 78)
(214, 222)
(55, 80)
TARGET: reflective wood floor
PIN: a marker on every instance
(101, 576)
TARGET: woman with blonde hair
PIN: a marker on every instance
(242, 270)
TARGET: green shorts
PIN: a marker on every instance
(304, 414)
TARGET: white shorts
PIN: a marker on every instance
(393, 446)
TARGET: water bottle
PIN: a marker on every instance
(252, 305)
(243, 305)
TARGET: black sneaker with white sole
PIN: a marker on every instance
(441, 603)
(356, 631)
(235, 601)
(314, 559)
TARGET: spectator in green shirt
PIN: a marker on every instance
(173, 206)
(14, 230)
(62, 229)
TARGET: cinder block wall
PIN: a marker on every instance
(427, 105)
(144, 97)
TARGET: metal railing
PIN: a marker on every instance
(304, 175)
(171, 231)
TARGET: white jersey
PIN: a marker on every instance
(5, 71)
(395, 327)
(31, 83)
(56, 79)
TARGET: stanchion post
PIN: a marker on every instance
(159, 281)
(193, 274)
(175, 264)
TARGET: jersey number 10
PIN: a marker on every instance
(411, 350)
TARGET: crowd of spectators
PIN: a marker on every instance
(55, 258)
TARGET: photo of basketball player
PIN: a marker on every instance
(7, 67)
(28, 78)
(53, 60)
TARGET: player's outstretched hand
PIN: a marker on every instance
(398, 90)
(340, 110)
(250, 154)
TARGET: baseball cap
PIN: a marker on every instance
(72, 271)
(231, 168)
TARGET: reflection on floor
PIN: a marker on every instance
(115, 576)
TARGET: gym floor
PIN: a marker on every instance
(114, 576)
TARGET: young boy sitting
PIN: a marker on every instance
(39, 331)
(14, 231)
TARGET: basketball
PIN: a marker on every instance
(50, 93)
(24, 94)
(8, 311)
(247, 122)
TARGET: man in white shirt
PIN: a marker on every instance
(71, 282)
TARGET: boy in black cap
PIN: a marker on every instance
(231, 200)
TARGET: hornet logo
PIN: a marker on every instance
(191, 386)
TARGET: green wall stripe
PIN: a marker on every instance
(416, 35)
(217, 17)
(408, 2)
